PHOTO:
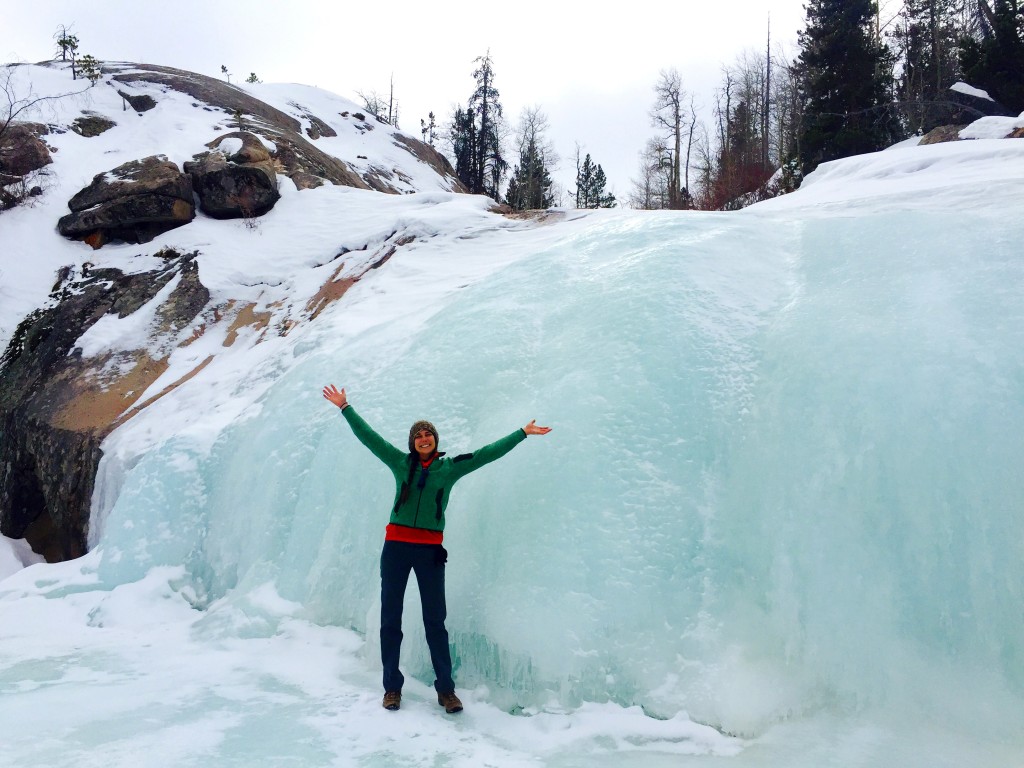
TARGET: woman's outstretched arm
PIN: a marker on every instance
(379, 447)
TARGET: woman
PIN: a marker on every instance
(413, 539)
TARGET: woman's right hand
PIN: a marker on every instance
(335, 395)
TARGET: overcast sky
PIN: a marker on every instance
(591, 71)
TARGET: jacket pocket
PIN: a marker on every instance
(402, 495)
(438, 497)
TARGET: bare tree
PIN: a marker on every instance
(384, 108)
(652, 191)
(667, 115)
(533, 127)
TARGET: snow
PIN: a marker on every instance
(992, 127)
(970, 90)
(780, 500)
(16, 554)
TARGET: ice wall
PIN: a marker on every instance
(784, 476)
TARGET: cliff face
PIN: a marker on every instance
(56, 405)
(62, 392)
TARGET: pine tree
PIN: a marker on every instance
(844, 75)
(252, 78)
(475, 135)
(67, 43)
(463, 139)
(996, 61)
(590, 186)
(428, 128)
(90, 69)
(530, 185)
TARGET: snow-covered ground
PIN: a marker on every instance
(777, 522)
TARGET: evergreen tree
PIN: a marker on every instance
(476, 135)
(590, 186)
(428, 128)
(844, 75)
(996, 61)
(530, 185)
(90, 69)
(463, 139)
(252, 78)
(490, 162)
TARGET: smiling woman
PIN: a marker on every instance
(413, 539)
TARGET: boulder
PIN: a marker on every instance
(135, 202)
(942, 134)
(967, 105)
(240, 186)
(91, 125)
(21, 150)
(140, 103)
(252, 151)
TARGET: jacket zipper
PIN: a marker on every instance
(419, 498)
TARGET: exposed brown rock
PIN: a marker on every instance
(21, 150)
(247, 317)
(427, 154)
(1016, 133)
(330, 291)
(134, 202)
(252, 150)
(942, 134)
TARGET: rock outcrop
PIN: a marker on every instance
(297, 157)
(56, 407)
(22, 151)
(966, 107)
(242, 185)
(139, 102)
(90, 125)
(942, 134)
(134, 202)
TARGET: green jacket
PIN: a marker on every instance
(423, 507)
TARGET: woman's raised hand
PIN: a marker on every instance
(337, 397)
(530, 429)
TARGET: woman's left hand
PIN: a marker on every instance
(533, 429)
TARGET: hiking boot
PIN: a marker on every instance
(450, 702)
(392, 700)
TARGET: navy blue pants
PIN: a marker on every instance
(427, 561)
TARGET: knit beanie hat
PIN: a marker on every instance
(416, 428)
